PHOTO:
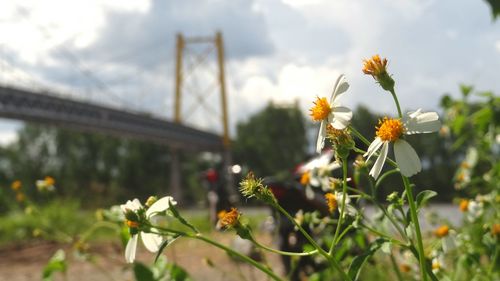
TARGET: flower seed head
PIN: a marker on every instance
(253, 187)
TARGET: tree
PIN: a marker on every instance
(272, 141)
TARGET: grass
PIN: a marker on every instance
(64, 220)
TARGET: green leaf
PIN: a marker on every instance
(358, 262)
(466, 89)
(165, 244)
(177, 273)
(56, 264)
(143, 273)
(424, 196)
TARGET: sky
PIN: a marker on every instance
(122, 53)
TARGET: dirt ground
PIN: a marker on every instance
(25, 262)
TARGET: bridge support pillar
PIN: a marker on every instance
(175, 175)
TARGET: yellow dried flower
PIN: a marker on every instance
(229, 219)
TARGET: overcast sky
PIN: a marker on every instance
(122, 53)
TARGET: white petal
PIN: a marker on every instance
(160, 205)
(419, 122)
(131, 249)
(341, 117)
(314, 181)
(333, 166)
(151, 241)
(309, 192)
(340, 87)
(407, 159)
(374, 146)
(448, 243)
(133, 205)
(377, 167)
(321, 137)
(413, 114)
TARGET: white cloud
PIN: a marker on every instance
(497, 46)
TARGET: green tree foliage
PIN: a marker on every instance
(272, 141)
(495, 8)
(92, 167)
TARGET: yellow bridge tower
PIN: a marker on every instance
(182, 74)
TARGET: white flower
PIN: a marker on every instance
(437, 262)
(334, 200)
(315, 173)
(349, 209)
(330, 112)
(151, 241)
(474, 210)
(46, 184)
(391, 130)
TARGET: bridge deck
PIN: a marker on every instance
(48, 109)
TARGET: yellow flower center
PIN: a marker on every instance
(442, 231)
(374, 66)
(20, 197)
(16, 185)
(464, 205)
(305, 178)
(320, 110)
(436, 265)
(405, 268)
(132, 224)
(331, 200)
(495, 229)
(49, 180)
(390, 129)
(464, 165)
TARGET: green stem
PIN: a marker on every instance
(495, 257)
(284, 252)
(393, 221)
(95, 226)
(359, 135)
(230, 251)
(397, 102)
(396, 268)
(303, 231)
(414, 218)
(320, 250)
(384, 176)
(392, 240)
(342, 208)
(343, 233)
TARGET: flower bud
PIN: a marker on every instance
(377, 68)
